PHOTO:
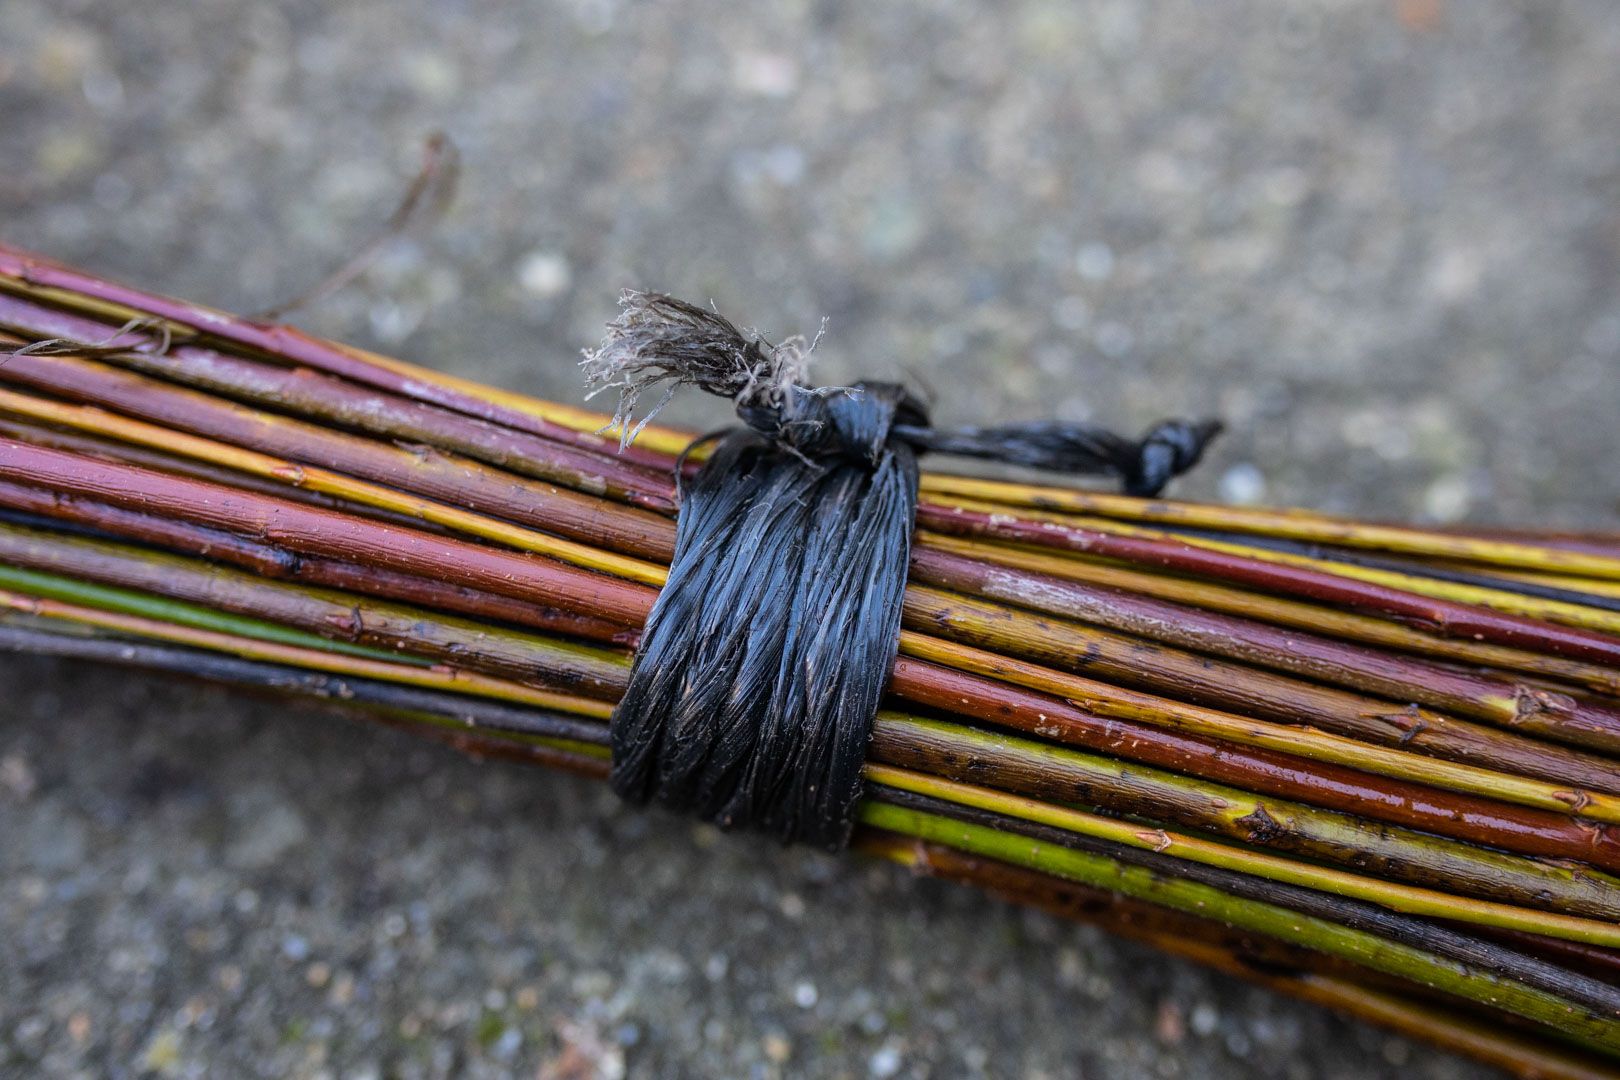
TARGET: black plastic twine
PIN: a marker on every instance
(760, 670)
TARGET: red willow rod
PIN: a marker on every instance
(1437, 616)
(71, 289)
(1500, 824)
(1137, 760)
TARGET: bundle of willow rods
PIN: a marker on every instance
(1374, 766)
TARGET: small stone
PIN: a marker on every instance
(1243, 484)
(885, 1062)
(767, 74)
(162, 1054)
(545, 274)
(1170, 1023)
(17, 777)
(1094, 262)
(1447, 499)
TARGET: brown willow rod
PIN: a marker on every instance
(1504, 601)
(1274, 909)
(293, 474)
(1504, 964)
(1490, 698)
(1433, 614)
(40, 509)
(1387, 919)
(589, 557)
(1284, 969)
(1265, 774)
(78, 442)
(527, 723)
(225, 510)
(354, 406)
(1261, 607)
(123, 612)
(1301, 525)
(25, 274)
(1356, 888)
(1059, 649)
(1031, 846)
(334, 536)
(512, 654)
(308, 530)
(1060, 774)
(28, 275)
(452, 680)
(422, 470)
(211, 667)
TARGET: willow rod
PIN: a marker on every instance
(1405, 855)
(1519, 984)
(351, 615)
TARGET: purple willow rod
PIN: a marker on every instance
(1491, 698)
(1462, 817)
(1043, 654)
(309, 393)
(420, 470)
(55, 509)
(1271, 703)
(1016, 766)
(111, 483)
(307, 530)
(42, 279)
(527, 658)
(1284, 968)
(1278, 611)
(343, 611)
(1527, 970)
(75, 442)
(288, 437)
(1398, 679)
(1439, 616)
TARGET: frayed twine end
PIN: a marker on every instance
(659, 340)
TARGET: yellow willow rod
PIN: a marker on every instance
(1310, 743)
(98, 421)
(674, 442)
(1261, 607)
(1411, 899)
(1517, 1053)
(1594, 586)
(452, 680)
(1533, 607)
(1292, 524)
(584, 421)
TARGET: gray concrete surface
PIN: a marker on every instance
(1381, 238)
